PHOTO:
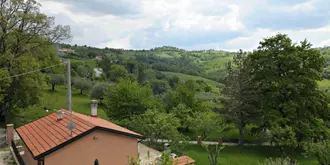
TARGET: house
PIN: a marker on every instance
(99, 58)
(69, 138)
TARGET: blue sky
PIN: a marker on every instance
(190, 24)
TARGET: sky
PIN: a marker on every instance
(190, 24)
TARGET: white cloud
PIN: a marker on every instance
(305, 6)
(318, 37)
(159, 20)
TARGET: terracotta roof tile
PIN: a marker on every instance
(183, 160)
(47, 133)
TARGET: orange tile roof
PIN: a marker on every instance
(47, 134)
(183, 160)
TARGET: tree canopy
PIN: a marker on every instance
(26, 38)
(286, 76)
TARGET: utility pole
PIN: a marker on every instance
(71, 125)
(68, 74)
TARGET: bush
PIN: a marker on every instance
(279, 161)
(321, 150)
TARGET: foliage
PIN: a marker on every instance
(165, 159)
(159, 86)
(320, 150)
(183, 113)
(239, 96)
(206, 122)
(279, 161)
(286, 76)
(56, 79)
(82, 84)
(26, 39)
(116, 72)
(98, 91)
(84, 71)
(181, 95)
(213, 152)
(173, 81)
(126, 99)
(156, 124)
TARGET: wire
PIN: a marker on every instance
(22, 74)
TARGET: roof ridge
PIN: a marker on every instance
(79, 118)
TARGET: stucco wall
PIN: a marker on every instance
(27, 157)
(108, 148)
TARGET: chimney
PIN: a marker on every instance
(94, 108)
(59, 115)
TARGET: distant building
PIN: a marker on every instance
(66, 50)
(99, 58)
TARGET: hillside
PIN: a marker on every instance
(207, 64)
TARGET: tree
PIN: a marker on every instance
(320, 150)
(156, 124)
(173, 81)
(83, 71)
(82, 84)
(126, 99)
(184, 114)
(286, 76)
(98, 91)
(212, 153)
(142, 76)
(159, 86)
(56, 79)
(26, 38)
(239, 96)
(117, 72)
(182, 94)
(204, 123)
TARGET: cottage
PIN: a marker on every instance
(76, 139)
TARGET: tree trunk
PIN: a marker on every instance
(241, 136)
(81, 91)
(53, 88)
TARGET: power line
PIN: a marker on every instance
(22, 74)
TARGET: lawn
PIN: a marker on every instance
(235, 155)
(57, 100)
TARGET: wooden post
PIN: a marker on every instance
(10, 134)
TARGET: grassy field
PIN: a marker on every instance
(57, 100)
(235, 155)
(189, 77)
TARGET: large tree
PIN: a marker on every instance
(239, 96)
(286, 75)
(126, 99)
(26, 38)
